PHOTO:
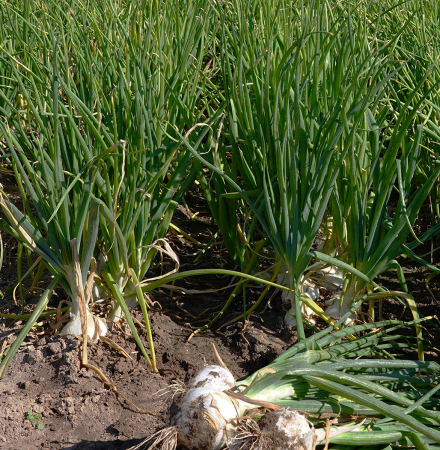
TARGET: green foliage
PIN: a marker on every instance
(319, 127)
(91, 124)
(34, 420)
(298, 119)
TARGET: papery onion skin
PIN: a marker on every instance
(203, 419)
(334, 311)
(95, 326)
(213, 377)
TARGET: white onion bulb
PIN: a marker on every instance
(214, 377)
(334, 311)
(284, 429)
(204, 419)
(95, 326)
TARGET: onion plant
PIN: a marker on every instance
(367, 237)
(412, 92)
(393, 154)
(65, 240)
(305, 129)
(115, 82)
(163, 76)
(421, 75)
(322, 377)
(297, 97)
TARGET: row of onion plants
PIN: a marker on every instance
(309, 134)
(315, 156)
(91, 142)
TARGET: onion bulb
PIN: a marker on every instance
(204, 420)
(95, 326)
(284, 429)
(214, 377)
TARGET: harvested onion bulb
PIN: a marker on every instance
(214, 377)
(204, 420)
(207, 418)
(284, 429)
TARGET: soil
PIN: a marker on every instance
(48, 401)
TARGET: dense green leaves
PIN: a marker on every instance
(311, 127)
(94, 138)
